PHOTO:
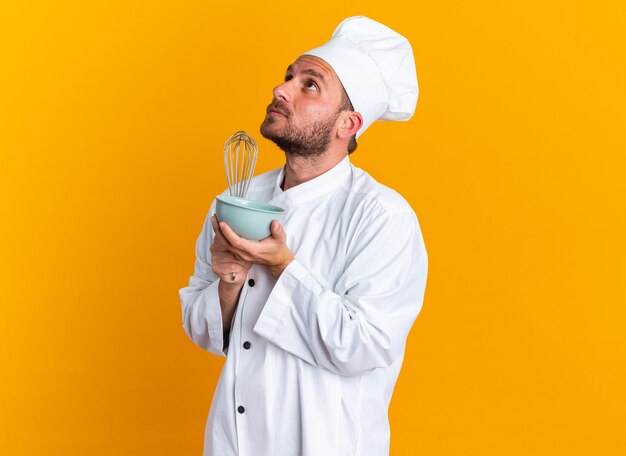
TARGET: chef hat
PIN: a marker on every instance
(375, 66)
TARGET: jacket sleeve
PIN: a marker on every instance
(364, 325)
(201, 310)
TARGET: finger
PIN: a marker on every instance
(229, 267)
(238, 245)
(277, 230)
(233, 238)
(231, 277)
(223, 252)
(215, 225)
(228, 257)
(218, 231)
(225, 264)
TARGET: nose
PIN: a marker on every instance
(281, 91)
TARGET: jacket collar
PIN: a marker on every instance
(320, 185)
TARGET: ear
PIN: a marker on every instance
(350, 124)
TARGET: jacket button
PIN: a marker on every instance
(240, 409)
(247, 345)
(251, 282)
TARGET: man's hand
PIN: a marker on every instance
(230, 268)
(271, 251)
(232, 272)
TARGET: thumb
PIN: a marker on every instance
(278, 232)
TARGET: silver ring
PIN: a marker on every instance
(233, 276)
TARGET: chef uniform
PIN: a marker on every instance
(312, 358)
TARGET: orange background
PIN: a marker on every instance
(112, 119)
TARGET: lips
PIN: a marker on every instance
(273, 109)
(276, 112)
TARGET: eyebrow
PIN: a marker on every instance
(310, 72)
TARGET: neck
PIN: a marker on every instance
(302, 169)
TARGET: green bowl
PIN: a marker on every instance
(249, 219)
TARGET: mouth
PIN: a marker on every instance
(274, 110)
(275, 113)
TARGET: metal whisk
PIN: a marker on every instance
(240, 154)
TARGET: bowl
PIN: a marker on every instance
(249, 219)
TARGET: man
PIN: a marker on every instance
(313, 320)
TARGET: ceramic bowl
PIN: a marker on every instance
(249, 219)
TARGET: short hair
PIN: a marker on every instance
(346, 105)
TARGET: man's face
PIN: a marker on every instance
(302, 117)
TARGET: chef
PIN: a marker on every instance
(313, 320)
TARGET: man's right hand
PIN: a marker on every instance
(231, 269)
(232, 272)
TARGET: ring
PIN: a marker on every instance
(233, 275)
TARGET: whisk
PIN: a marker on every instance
(240, 154)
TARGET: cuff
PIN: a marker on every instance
(280, 299)
(214, 319)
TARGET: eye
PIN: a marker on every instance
(287, 77)
(311, 85)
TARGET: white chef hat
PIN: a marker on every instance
(376, 67)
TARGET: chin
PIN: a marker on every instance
(267, 131)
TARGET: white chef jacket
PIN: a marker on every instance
(313, 357)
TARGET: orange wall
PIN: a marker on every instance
(112, 119)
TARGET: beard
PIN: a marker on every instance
(309, 140)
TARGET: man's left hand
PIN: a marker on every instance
(271, 251)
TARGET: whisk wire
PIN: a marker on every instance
(240, 156)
